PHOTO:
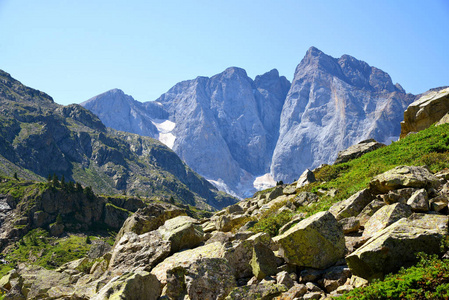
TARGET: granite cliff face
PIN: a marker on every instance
(244, 134)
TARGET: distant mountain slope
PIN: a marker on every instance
(244, 134)
(39, 137)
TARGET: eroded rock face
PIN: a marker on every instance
(425, 111)
(352, 206)
(386, 216)
(316, 242)
(357, 150)
(183, 232)
(403, 176)
(397, 245)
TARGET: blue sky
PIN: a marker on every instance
(74, 50)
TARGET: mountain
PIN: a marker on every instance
(39, 138)
(244, 134)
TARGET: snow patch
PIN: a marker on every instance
(221, 186)
(165, 127)
(264, 182)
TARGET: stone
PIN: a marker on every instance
(304, 198)
(306, 177)
(265, 291)
(229, 222)
(98, 249)
(289, 189)
(370, 210)
(276, 192)
(296, 291)
(396, 246)
(5, 281)
(401, 177)
(134, 251)
(351, 224)
(312, 296)
(357, 150)
(352, 206)
(56, 229)
(234, 209)
(204, 278)
(295, 220)
(239, 255)
(137, 285)
(149, 218)
(316, 242)
(285, 279)
(263, 261)
(386, 216)
(419, 201)
(334, 277)
(183, 232)
(313, 287)
(401, 195)
(425, 111)
(309, 275)
(115, 216)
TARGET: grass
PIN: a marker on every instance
(39, 248)
(429, 279)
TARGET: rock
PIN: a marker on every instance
(312, 296)
(276, 192)
(295, 220)
(149, 218)
(5, 281)
(351, 224)
(239, 255)
(295, 291)
(395, 196)
(304, 198)
(370, 210)
(308, 275)
(397, 245)
(384, 217)
(352, 206)
(234, 209)
(403, 176)
(334, 277)
(114, 216)
(438, 203)
(229, 222)
(357, 150)
(285, 279)
(137, 285)
(98, 249)
(306, 177)
(289, 189)
(56, 229)
(425, 111)
(265, 291)
(204, 278)
(263, 262)
(419, 201)
(316, 242)
(221, 237)
(183, 232)
(133, 251)
(313, 287)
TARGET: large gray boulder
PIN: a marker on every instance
(403, 176)
(265, 291)
(357, 150)
(306, 177)
(352, 206)
(386, 216)
(316, 242)
(425, 111)
(183, 232)
(397, 245)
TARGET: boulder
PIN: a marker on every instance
(306, 177)
(295, 292)
(134, 251)
(304, 198)
(352, 206)
(239, 255)
(370, 210)
(419, 201)
(183, 232)
(316, 242)
(351, 224)
(386, 216)
(357, 150)
(265, 291)
(137, 285)
(401, 177)
(115, 216)
(263, 262)
(394, 196)
(397, 245)
(149, 218)
(276, 192)
(425, 111)
(285, 279)
(334, 277)
(229, 222)
(438, 203)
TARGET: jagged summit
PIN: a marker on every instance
(240, 133)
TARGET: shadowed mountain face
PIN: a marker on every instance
(39, 137)
(233, 130)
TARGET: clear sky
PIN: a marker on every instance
(76, 49)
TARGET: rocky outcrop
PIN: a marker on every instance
(357, 150)
(425, 111)
(315, 242)
(397, 245)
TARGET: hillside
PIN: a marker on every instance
(359, 221)
(245, 134)
(39, 138)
